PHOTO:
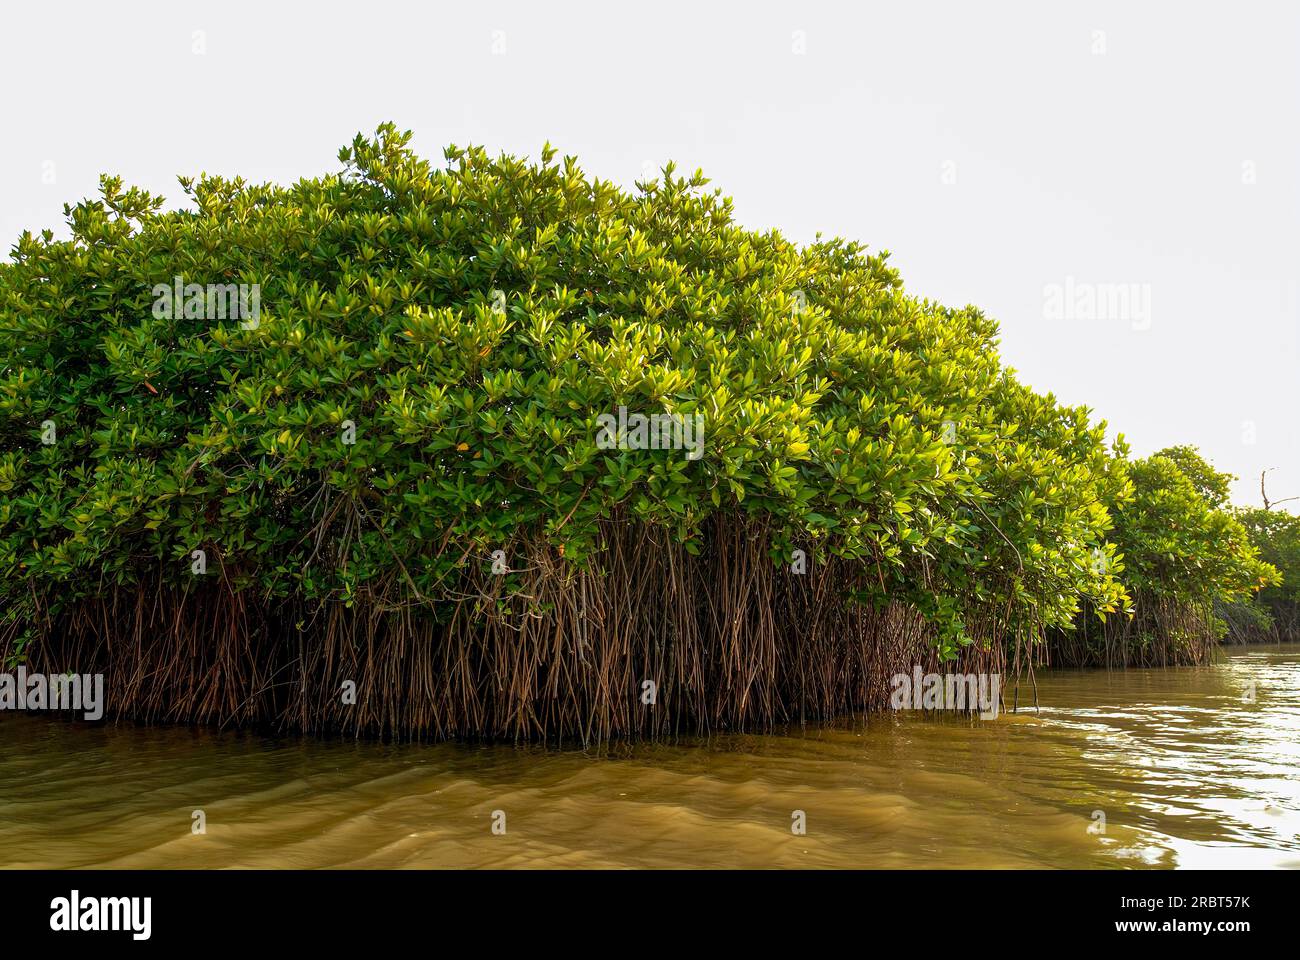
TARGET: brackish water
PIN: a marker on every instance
(1187, 771)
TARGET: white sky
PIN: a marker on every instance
(1117, 167)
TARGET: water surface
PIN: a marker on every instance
(1187, 770)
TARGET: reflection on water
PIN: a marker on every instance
(1186, 772)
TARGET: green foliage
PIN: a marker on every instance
(1277, 536)
(1276, 613)
(470, 323)
(1208, 482)
(1177, 542)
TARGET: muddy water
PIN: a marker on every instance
(1185, 769)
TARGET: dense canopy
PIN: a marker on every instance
(403, 436)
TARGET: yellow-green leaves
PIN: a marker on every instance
(437, 348)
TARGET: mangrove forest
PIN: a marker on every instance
(495, 448)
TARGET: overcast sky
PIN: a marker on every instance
(1117, 184)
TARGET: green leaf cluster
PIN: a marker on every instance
(423, 385)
